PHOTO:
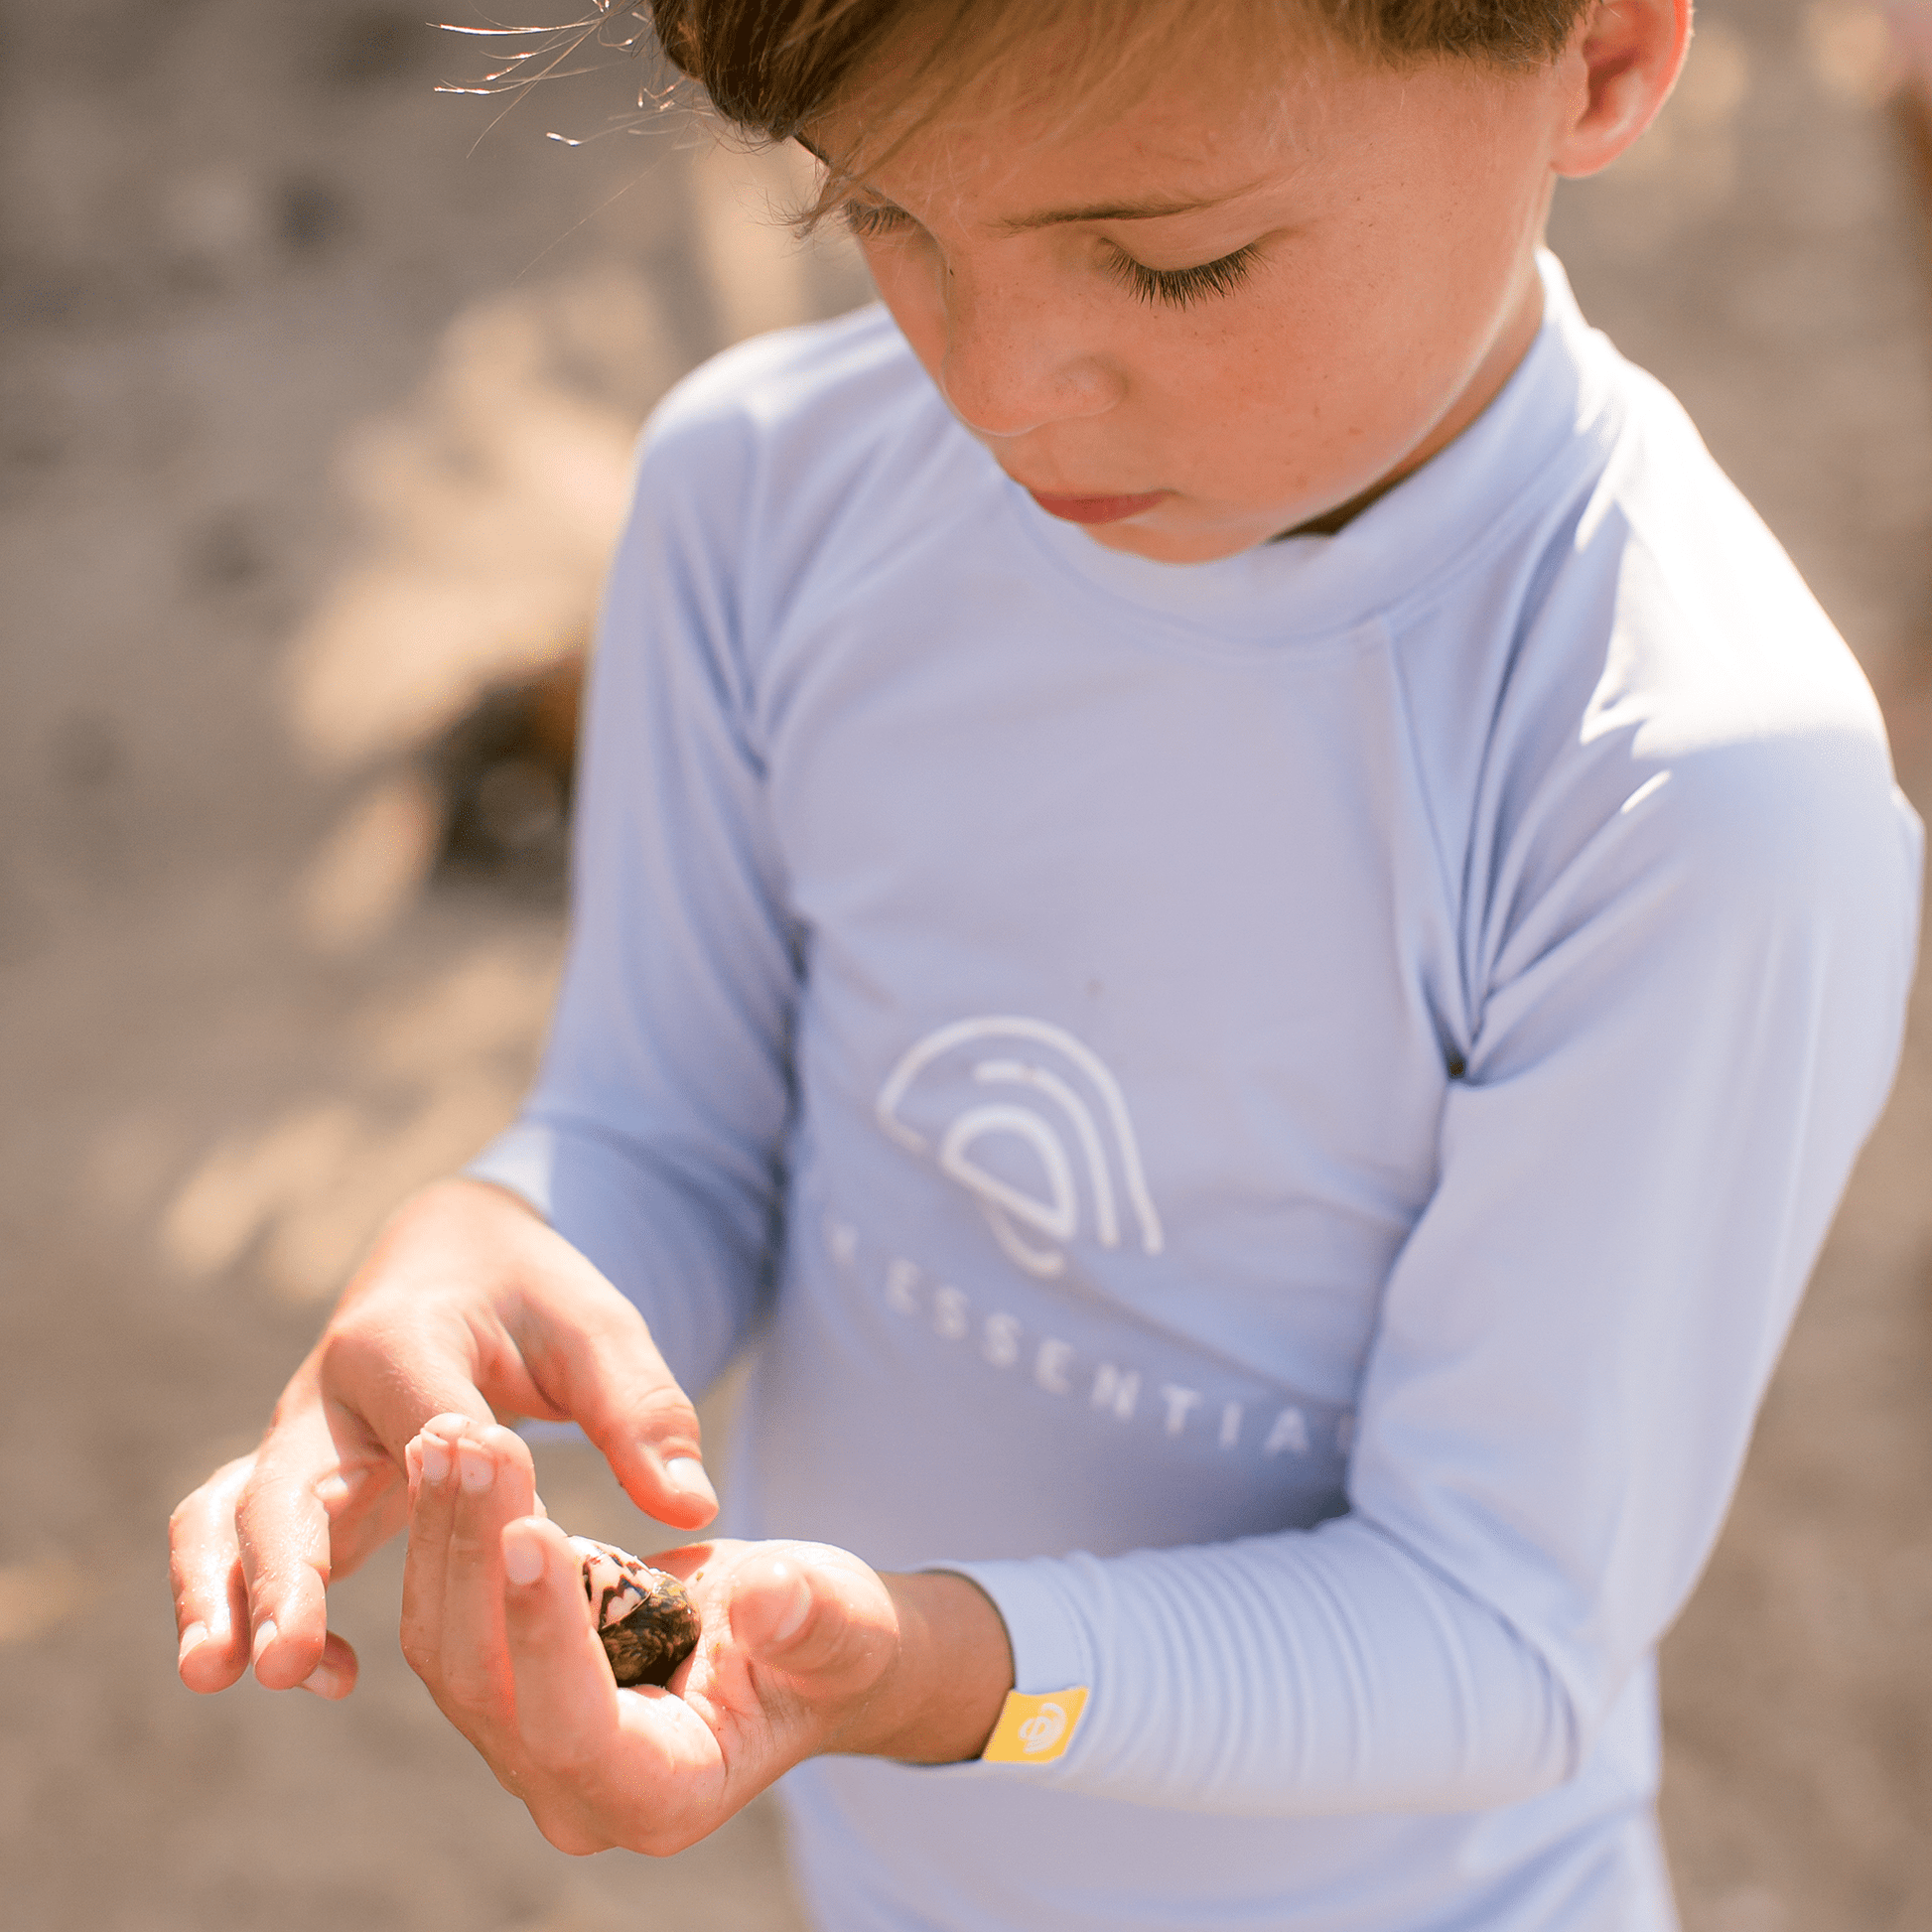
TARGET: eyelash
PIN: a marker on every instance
(867, 220)
(1177, 288)
(1173, 288)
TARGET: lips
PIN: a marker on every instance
(1096, 509)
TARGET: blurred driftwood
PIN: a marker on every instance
(505, 770)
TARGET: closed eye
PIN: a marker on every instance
(1177, 288)
(866, 220)
(1173, 288)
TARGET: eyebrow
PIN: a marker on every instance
(1153, 210)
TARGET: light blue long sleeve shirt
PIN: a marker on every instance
(1274, 1113)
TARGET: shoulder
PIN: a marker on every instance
(791, 447)
(1697, 639)
(1679, 715)
(831, 390)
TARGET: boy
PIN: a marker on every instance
(1229, 896)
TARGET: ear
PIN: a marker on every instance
(1624, 62)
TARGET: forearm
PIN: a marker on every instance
(1309, 1673)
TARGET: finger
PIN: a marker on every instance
(815, 1616)
(283, 1526)
(496, 1483)
(334, 1677)
(286, 1535)
(396, 1375)
(432, 1522)
(566, 1696)
(204, 1567)
(601, 1368)
(365, 1506)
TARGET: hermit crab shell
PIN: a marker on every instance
(644, 1616)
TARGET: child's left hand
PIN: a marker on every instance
(803, 1649)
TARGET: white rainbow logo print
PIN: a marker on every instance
(1052, 1111)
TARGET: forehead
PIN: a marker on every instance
(1183, 110)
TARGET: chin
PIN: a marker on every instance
(1190, 541)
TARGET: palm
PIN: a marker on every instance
(688, 1758)
(521, 1672)
(759, 1720)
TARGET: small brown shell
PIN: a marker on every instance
(644, 1616)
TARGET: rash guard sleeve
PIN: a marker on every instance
(1692, 985)
(652, 1138)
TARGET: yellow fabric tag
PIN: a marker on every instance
(1035, 1729)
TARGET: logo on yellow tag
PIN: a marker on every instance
(1035, 1729)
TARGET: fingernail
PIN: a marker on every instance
(265, 1634)
(340, 1484)
(326, 1681)
(685, 1474)
(436, 1459)
(522, 1557)
(796, 1611)
(192, 1640)
(478, 1467)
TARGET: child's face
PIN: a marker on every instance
(1345, 280)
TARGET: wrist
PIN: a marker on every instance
(948, 1680)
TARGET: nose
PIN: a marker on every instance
(1018, 357)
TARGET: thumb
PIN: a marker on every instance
(815, 1616)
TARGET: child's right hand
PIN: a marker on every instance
(470, 1305)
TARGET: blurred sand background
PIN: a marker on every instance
(314, 396)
